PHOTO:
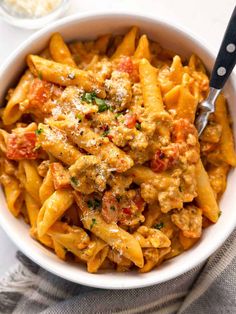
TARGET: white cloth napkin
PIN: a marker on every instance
(209, 288)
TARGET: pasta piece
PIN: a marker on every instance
(94, 144)
(151, 92)
(47, 187)
(226, 140)
(59, 250)
(187, 103)
(127, 46)
(13, 111)
(206, 198)
(142, 50)
(99, 255)
(176, 70)
(74, 239)
(101, 44)
(13, 193)
(64, 75)
(3, 141)
(54, 142)
(187, 243)
(30, 178)
(52, 209)
(153, 257)
(116, 237)
(33, 208)
(153, 103)
(171, 98)
(59, 50)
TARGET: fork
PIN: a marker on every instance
(224, 64)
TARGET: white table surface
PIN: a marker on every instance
(206, 18)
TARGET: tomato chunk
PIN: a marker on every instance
(110, 207)
(40, 91)
(130, 120)
(126, 65)
(165, 158)
(181, 129)
(21, 146)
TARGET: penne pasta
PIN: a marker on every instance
(13, 111)
(53, 208)
(206, 198)
(64, 75)
(59, 50)
(127, 46)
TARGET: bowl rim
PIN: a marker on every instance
(38, 258)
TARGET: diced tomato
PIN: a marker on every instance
(158, 164)
(127, 210)
(165, 158)
(139, 201)
(181, 129)
(126, 65)
(130, 120)
(110, 207)
(61, 178)
(21, 146)
(39, 92)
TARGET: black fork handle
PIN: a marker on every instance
(226, 58)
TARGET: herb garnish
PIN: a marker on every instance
(112, 208)
(117, 115)
(105, 133)
(93, 204)
(159, 226)
(74, 181)
(91, 97)
(93, 223)
(138, 126)
(79, 117)
(40, 75)
(39, 131)
(219, 214)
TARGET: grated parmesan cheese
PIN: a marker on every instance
(29, 8)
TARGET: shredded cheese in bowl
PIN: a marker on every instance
(29, 8)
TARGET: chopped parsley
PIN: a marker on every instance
(71, 76)
(94, 204)
(105, 133)
(39, 131)
(159, 226)
(103, 106)
(112, 208)
(93, 223)
(117, 115)
(138, 125)
(40, 75)
(89, 97)
(118, 198)
(79, 117)
(219, 214)
(74, 181)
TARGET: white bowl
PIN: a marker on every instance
(89, 26)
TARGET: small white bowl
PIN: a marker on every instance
(88, 26)
(31, 22)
